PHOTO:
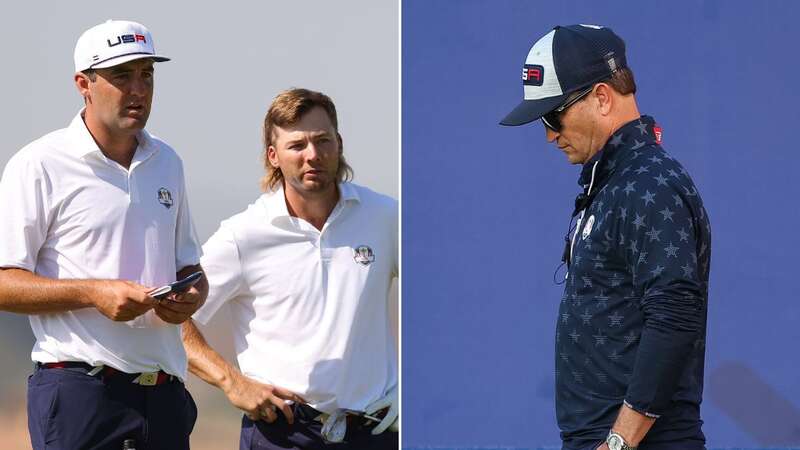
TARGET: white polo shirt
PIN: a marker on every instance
(310, 308)
(68, 212)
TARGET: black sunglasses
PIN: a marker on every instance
(552, 119)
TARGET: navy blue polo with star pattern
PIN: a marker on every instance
(632, 320)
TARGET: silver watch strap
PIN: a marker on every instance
(616, 438)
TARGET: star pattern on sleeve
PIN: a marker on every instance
(648, 197)
(642, 258)
(667, 213)
(654, 235)
(661, 179)
(657, 271)
(615, 319)
(688, 271)
(602, 300)
(638, 222)
(600, 338)
(672, 251)
(632, 246)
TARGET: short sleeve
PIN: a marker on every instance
(187, 246)
(25, 191)
(223, 271)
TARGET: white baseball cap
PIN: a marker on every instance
(112, 43)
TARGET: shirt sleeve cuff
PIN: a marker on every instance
(24, 265)
(641, 410)
(188, 261)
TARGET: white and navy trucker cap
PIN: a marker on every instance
(114, 42)
(565, 60)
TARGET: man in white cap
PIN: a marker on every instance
(95, 217)
(306, 271)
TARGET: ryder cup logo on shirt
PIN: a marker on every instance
(165, 197)
(588, 228)
(363, 255)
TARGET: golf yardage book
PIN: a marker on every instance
(176, 287)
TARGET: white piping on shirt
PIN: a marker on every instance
(580, 219)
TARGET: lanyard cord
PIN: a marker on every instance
(566, 257)
(583, 211)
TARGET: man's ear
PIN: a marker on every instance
(605, 98)
(272, 157)
(82, 84)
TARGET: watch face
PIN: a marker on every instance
(614, 442)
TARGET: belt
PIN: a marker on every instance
(108, 373)
(354, 419)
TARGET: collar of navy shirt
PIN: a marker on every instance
(631, 136)
(597, 171)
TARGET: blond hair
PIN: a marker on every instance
(287, 109)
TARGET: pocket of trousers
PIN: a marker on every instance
(42, 396)
(79, 413)
(190, 409)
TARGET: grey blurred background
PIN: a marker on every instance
(230, 59)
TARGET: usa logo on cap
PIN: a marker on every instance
(532, 75)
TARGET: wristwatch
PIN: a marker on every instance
(617, 442)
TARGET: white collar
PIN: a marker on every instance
(274, 202)
(82, 142)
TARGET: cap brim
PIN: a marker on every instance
(530, 110)
(122, 59)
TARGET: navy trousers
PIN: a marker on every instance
(305, 434)
(70, 410)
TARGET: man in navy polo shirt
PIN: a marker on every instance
(632, 322)
(94, 217)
